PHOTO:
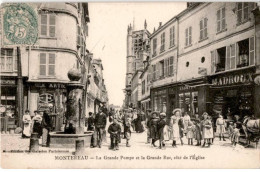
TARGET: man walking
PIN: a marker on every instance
(100, 125)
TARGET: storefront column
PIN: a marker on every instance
(202, 99)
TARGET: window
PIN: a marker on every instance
(220, 59)
(162, 42)
(172, 36)
(203, 28)
(8, 60)
(48, 24)
(47, 64)
(188, 36)
(221, 19)
(161, 68)
(154, 46)
(143, 87)
(246, 54)
(242, 12)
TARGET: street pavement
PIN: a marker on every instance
(140, 155)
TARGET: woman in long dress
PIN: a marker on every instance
(174, 126)
(27, 121)
(220, 123)
(206, 127)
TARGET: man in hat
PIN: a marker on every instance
(114, 130)
(100, 125)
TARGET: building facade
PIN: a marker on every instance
(210, 63)
(46, 64)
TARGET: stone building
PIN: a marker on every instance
(214, 61)
(45, 65)
(137, 53)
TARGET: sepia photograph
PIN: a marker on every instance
(130, 85)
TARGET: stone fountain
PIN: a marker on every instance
(75, 118)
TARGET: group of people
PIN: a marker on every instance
(178, 126)
(39, 123)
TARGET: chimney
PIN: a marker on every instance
(160, 24)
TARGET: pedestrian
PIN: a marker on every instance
(27, 122)
(127, 123)
(46, 128)
(190, 132)
(198, 135)
(186, 119)
(138, 124)
(153, 128)
(206, 126)
(220, 123)
(114, 130)
(161, 132)
(91, 122)
(235, 135)
(230, 130)
(211, 129)
(181, 129)
(174, 126)
(100, 125)
(134, 112)
(37, 127)
(148, 126)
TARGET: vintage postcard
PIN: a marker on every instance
(126, 85)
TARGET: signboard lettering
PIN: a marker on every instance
(233, 79)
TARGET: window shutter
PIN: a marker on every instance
(239, 12)
(228, 58)
(43, 64)
(201, 29)
(205, 27)
(51, 71)
(173, 35)
(165, 67)
(171, 66)
(157, 70)
(190, 35)
(232, 56)
(52, 23)
(223, 18)
(186, 37)
(251, 51)
(44, 24)
(218, 20)
(213, 62)
(246, 10)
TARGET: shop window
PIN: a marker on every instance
(220, 59)
(172, 36)
(221, 19)
(162, 42)
(48, 24)
(203, 28)
(8, 60)
(47, 64)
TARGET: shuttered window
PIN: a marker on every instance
(233, 56)
(203, 28)
(188, 36)
(162, 42)
(8, 60)
(166, 66)
(228, 58)
(172, 36)
(47, 64)
(154, 46)
(171, 60)
(48, 25)
(243, 10)
(221, 19)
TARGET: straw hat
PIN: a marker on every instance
(175, 110)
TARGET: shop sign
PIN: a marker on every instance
(49, 85)
(233, 79)
(185, 87)
(7, 82)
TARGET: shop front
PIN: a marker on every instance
(233, 93)
(193, 96)
(145, 104)
(49, 97)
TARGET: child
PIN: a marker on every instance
(160, 126)
(190, 132)
(230, 130)
(198, 135)
(235, 136)
(114, 130)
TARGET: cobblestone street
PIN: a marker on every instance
(221, 153)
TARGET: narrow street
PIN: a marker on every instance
(219, 155)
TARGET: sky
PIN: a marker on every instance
(108, 32)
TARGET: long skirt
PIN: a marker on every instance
(27, 129)
(45, 137)
(175, 132)
(207, 133)
(190, 134)
(220, 129)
